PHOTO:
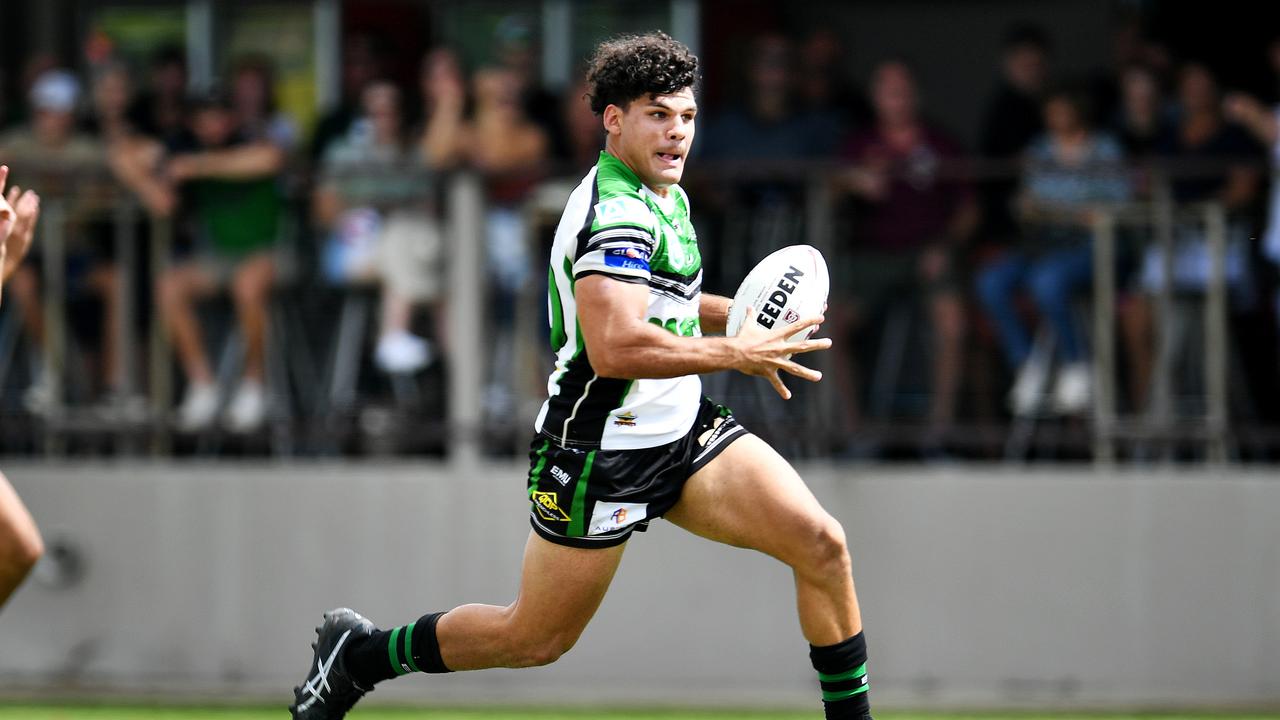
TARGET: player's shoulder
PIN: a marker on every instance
(619, 202)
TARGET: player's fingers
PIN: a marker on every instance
(776, 382)
(4, 177)
(810, 345)
(800, 326)
(802, 372)
(14, 193)
(29, 203)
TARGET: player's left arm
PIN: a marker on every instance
(713, 313)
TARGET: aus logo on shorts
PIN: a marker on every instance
(610, 517)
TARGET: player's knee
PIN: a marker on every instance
(828, 555)
(25, 548)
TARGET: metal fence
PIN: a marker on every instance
(317, 347)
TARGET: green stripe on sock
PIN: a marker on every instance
(577, 521)
(391, 652)
(408, 651)
(851, 675)
(843, 694)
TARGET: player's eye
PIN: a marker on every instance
(658, 114)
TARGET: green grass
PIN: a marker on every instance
(86, 712)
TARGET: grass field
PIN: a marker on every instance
(74, 712)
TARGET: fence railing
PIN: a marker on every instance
(810, 213)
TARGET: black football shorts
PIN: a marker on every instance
(597, 498)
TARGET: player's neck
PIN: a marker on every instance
(612, 150)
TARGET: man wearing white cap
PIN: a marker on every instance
(55, 156)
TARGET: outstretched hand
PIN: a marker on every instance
(18, 214)
(764, 353)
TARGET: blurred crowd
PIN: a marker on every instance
(989, 243)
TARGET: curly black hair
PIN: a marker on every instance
(630, 66)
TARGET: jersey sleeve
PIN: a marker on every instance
(618, 241)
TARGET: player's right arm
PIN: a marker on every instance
(621, 344)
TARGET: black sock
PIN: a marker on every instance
(391, 653)
(842, 672)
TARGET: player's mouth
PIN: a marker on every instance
(670, 159)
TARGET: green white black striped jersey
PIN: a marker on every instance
(613, 225)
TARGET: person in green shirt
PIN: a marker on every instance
(234, 204)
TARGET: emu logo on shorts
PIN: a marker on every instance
(547, 507)
(610, 517)
(560, 475)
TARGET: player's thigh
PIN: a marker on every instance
(561, 588)
(749, 496)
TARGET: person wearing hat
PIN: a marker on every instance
(56, 156)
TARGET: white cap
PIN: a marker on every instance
(56, 91)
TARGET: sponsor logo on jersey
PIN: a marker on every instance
(627, 258)
(629, 210)
(548, 508)
(608, 517)
(626, 419)
(560, 475)
(778, 299)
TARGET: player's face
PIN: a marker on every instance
(654, 134)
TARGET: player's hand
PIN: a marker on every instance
(764, 353)
(26, 207)
(7, 216)
(18, 213)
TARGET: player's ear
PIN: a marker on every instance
(612, 119)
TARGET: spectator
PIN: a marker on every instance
(60, 157)
(1264, 124)
(235, 207)
(1069, 171)
(1201, 138)
(915, 218)
(1011, 120)
(511, 150)
(821, 84)
(768, 125)
(1140, 124)
(371, 197)
(444, 99)
(584, 135)
(516, 50)
(361, 65)
(253, 88)
(160, 111)
(111, 97)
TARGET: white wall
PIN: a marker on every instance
(983, 587)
